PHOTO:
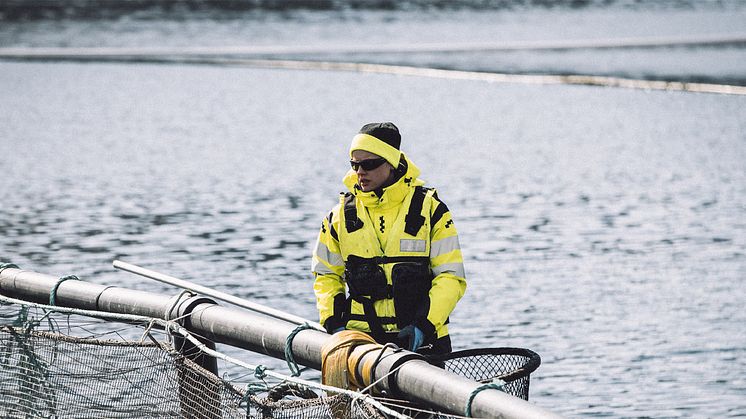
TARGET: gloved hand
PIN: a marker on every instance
(412, 337)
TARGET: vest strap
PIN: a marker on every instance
(382, 320)
(374, 323)
(414, 219)
(380, 260)
(352, 221)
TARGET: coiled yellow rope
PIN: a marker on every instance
(362, 377)
(338, 366)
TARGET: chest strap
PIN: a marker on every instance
(380, 260)
(413, 221)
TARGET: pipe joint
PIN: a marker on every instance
(182, 309)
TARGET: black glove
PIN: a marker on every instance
(411, 337)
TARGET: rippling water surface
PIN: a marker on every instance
(404, 24)
(603, 228)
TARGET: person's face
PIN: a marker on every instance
(370, 180)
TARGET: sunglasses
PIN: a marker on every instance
(367, 164)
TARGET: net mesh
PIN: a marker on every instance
(46, 373)
(511, 365)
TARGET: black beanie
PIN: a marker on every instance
(384, 131)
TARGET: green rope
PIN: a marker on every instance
(53, 291)
(252, 389)
(259, 372)
(289, 357)
(5, 265)
(496, 384)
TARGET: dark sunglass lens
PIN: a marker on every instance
(368, 164)
(371, 164)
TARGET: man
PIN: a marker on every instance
(392, 242)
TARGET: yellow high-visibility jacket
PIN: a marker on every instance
(380, 228)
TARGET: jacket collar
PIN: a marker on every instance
(391, 195)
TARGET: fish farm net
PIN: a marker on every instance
(57, 364)
(61, 362)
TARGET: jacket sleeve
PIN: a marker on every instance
(327, 266)
(447, 265)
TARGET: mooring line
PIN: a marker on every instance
(231, 56)
(587, 80)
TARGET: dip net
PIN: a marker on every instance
(512, 366)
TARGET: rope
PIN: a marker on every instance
(169, 311)
(252, 389)
(385, 376)
(286, 389)
(4, 266)
(260, 372)
(367, 372)
(177, 301)
(289, 357)
(187, 56)
(496, 384)
(369, 368)
(335, 356)
(414, 411)
(53, 291)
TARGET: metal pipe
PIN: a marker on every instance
(215, 294)
(414, 379)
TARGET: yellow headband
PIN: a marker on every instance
(373, 145)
